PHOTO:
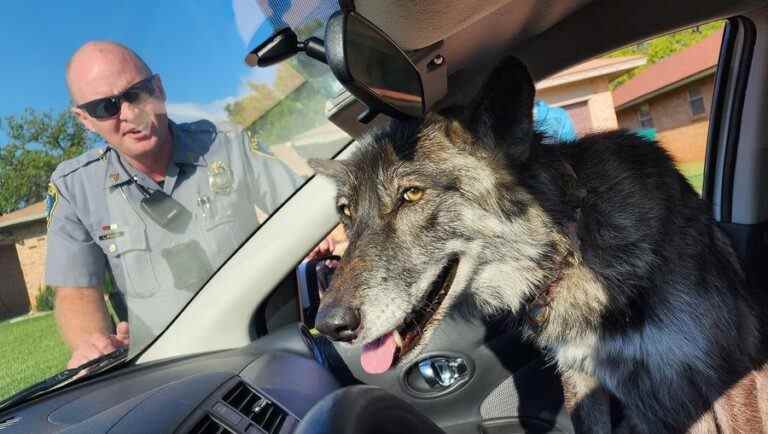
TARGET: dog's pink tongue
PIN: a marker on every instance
(378, 355)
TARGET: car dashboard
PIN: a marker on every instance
(267, 386)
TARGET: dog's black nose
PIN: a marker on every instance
(338, 322)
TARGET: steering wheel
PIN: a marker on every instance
(365, 410)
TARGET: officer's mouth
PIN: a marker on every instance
(136, 134)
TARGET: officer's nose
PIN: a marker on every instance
(133, 113)
(338, 322)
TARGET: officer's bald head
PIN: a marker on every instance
(98, 63)
(139, 130)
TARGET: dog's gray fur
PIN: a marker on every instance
(649, 303)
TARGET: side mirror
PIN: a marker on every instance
(368, 63)
(314, 278)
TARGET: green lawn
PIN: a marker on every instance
(31, 351)
(694, 172)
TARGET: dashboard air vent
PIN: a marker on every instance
(264, 413)
(209, 425)
(9, 422)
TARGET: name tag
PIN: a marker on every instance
(110, 235)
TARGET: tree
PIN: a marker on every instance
(292, 104)
(38, 142)
(262, 97)
(662, 47)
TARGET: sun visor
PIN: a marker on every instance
(418, 24)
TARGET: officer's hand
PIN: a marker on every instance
(325, 248)
(97, 345)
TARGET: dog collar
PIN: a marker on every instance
(540, 308)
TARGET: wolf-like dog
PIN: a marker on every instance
(600, 244)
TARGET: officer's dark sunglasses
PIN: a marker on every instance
(109, 107)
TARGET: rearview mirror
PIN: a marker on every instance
(368, 63)
(372, 67)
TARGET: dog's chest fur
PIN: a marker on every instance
(569, 334)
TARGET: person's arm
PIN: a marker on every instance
(81, 314)
(76, 266)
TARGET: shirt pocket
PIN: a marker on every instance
(232, 217)
(223, 210)
(127, 248)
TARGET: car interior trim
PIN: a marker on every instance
(743, 63)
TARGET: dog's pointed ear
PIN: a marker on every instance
(503, 109)
(334, 169)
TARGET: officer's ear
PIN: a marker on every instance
(84, 119)
(159, 89)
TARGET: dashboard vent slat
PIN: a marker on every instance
(209, 425)
(267, 412)
(258, 409)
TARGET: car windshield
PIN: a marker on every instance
(138, 151)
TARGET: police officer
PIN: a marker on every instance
(161, 207)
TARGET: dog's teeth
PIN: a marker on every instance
(398, 339)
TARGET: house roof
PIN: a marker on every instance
(697, 60)
(36, 211)
(592, 68)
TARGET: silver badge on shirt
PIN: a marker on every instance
(220, 178)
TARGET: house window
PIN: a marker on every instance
(644, 114)
(696, 101)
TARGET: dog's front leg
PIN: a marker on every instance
(587, 402)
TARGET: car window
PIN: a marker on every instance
(81, 205)
(660, 88)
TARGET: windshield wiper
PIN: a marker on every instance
(92, 366)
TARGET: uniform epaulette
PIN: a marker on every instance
(72, 165)
(201, 126)
(198, 136)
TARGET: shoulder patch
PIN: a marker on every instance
(253, 142)
(50, 202)
(254, 145)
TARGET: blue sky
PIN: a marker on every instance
(197, 46)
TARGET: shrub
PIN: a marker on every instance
(109, 284)
(45, 298)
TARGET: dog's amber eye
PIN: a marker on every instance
(413, 194)
(344, 209)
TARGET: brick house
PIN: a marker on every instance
(583, 91)
(22, 259)
(674, 97)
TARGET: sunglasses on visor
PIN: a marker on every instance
(109, 107)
